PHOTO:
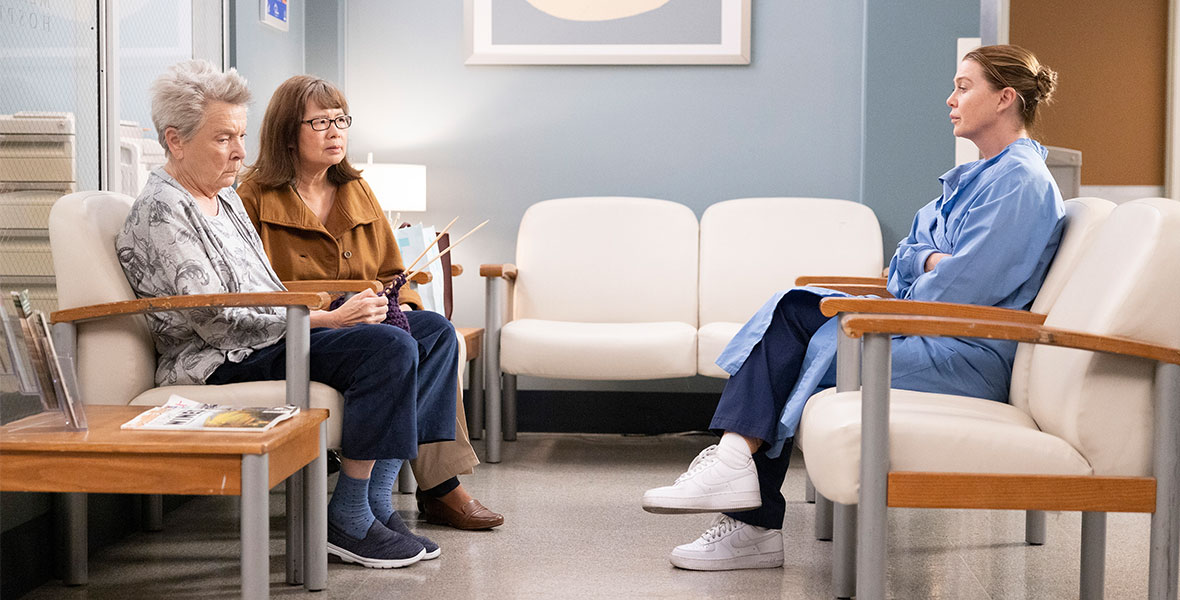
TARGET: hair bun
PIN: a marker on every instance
(1046, 84)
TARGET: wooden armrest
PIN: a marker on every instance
(823, 281)
(422, 277)
(506, 270)
(830, 306)
(456, 270)
(333, 285)
(165, 303)
(856, 289)
(859, 325)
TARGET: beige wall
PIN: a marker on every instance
(1111, 101)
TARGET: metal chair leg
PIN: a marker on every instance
(153, 512)
(295, 543)
(509, 408)
(315, 518)
(871, 551)
(808, 489)
(1034, 527)
(406, 483)
(1093, 574)
(844, 550)
(1164, 568)
(70, 514)
(475, 400)
(493, 322)
(823, 518)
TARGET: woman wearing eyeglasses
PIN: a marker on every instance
(318, 219)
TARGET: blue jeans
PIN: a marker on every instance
(753, 399)
(399, 390)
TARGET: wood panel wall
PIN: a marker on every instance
(1111, 58)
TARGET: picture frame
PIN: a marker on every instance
(275, 13)
(553, 32)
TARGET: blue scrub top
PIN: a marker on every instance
(1000, 220)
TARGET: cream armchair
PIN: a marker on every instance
(101, 328)
(114, 338)
(1098, 429)
(1083, 218)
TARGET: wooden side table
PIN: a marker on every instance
(474, 400)
(38, 455)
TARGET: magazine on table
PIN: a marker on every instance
(182, 414)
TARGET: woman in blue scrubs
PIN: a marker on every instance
(987, 240)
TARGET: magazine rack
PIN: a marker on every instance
(45, 377)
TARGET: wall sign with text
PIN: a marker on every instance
(275, 13)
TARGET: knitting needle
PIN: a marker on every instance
(396, 218)
(449, 248)
(431, 244)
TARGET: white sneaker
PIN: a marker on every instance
(709, 485)
(731, 544)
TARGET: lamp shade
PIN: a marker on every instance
(399, 187)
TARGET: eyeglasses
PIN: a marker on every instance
(322, 123)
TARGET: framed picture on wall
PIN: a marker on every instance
(275, 13)
(607, 32)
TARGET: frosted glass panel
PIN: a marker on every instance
(49, 63)
(152, 36)
(48, 134)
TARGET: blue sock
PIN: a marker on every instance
(349, 508)
(381, 484)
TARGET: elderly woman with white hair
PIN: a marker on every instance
(188, 233)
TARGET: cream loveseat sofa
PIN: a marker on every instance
(621, 288)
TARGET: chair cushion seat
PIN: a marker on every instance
(603, 351)
(711, 340)
(928, 432)
(251, 393)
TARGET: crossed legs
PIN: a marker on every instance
(737, 477)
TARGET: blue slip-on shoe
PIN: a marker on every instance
(396, 524)
(381, 548)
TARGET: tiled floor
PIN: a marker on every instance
(575, 530)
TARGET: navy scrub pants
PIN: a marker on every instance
(399, 389)
(754, 397)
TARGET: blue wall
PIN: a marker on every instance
(841, 99)
(909, 64)
(497, 139)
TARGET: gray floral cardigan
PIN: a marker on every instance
(167, 247)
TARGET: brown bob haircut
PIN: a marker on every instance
(278, 148)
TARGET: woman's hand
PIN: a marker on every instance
(365, 307)
(933, 260)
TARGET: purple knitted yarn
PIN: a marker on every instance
(393, 315)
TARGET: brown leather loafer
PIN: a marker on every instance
(472, 515)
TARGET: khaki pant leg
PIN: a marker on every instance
(441, 461)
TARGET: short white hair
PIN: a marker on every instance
(181, 95)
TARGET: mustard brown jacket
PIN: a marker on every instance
(357, 242)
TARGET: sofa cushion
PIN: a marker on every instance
(711, 340)
(604, 351)
(928, 432)
(754, 247)
(607, 260)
